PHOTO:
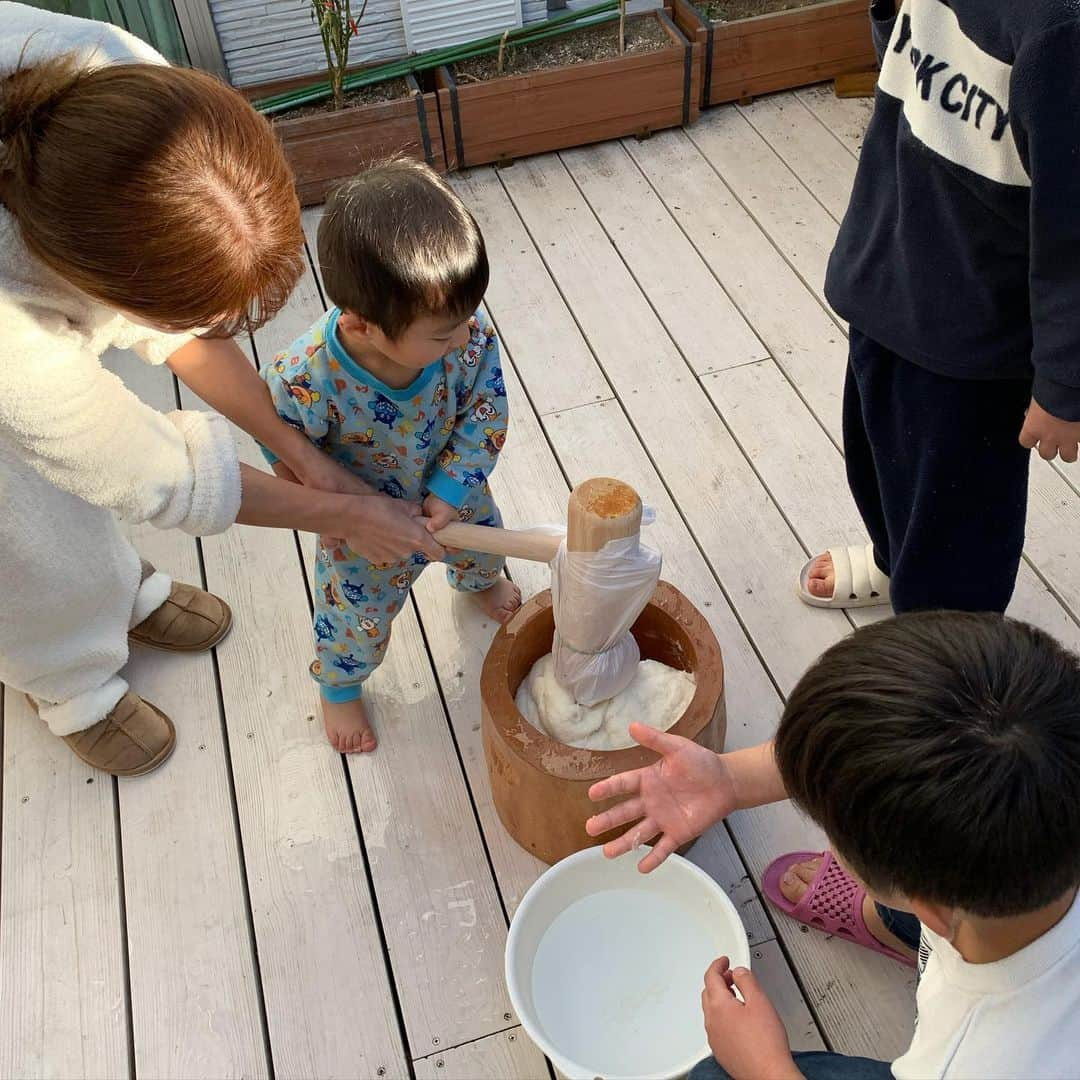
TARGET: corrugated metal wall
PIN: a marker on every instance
(266, 40)
(432, 24)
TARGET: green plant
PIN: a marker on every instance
(337, 27)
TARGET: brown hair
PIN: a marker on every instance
(396, 243)
(156, 190)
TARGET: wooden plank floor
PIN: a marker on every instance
(263, 908)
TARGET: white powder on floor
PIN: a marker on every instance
(658, 696)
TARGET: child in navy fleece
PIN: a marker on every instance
(958, 267)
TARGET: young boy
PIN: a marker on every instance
(956, 267)
(940, 753)
(401, 383)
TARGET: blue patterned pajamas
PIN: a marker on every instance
(357, 602)
(441, 436)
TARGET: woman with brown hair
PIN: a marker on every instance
(144, 207)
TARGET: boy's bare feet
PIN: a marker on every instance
(821, 581)
(500, 602)
(348, 727)
(797, 880)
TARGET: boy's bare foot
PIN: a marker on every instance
(797, 880)
(821, 581)
(500, 602)
(347, 726)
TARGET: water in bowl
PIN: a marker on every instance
(606, 999)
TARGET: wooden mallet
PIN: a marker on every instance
(590, 613)
(599, 510)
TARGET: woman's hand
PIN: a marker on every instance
(676, 799)
(386, 530)
(319, 470)
(382, 529)
(324, 475)
(314, 468)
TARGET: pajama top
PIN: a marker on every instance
(440, 435)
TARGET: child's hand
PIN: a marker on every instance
(675, 799)
(1051, 435)
(746, 1037)
(439, 513)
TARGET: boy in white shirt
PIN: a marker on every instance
(940, 753)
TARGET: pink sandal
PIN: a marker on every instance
(832, 903)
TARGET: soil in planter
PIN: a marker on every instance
(392, 90)
(590, 43)
(721, 11)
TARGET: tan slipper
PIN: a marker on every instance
(134, 739)
(191, 620)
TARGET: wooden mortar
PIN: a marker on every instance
(540, 786)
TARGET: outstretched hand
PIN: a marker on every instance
(672, 801)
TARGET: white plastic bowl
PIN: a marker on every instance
(605, 965)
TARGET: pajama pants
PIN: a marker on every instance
(356, 603)
(71, 586)
(939, 477)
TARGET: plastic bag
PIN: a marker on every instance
(597, 597)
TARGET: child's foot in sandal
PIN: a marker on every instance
(821, 577)
(814, 889)
(844, 578)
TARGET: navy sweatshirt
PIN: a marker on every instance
(961, 247)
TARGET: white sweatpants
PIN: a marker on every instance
(71, 586)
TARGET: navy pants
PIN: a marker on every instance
(939, 477)
(814, 1065)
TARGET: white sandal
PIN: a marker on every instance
(859, 582)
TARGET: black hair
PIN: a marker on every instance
(940, 752)
(396, 243)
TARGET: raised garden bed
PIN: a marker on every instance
(794, 43)
(326, 146)
(568, 94)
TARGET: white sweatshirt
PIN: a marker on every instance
(1014, 1019)
(61, 412)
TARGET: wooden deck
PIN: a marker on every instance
(262, 907)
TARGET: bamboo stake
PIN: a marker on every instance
(502, 50)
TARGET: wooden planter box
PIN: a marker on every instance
(326, 148)
(518, 115)
(780, 51)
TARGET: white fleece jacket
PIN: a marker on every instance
(72, 421)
